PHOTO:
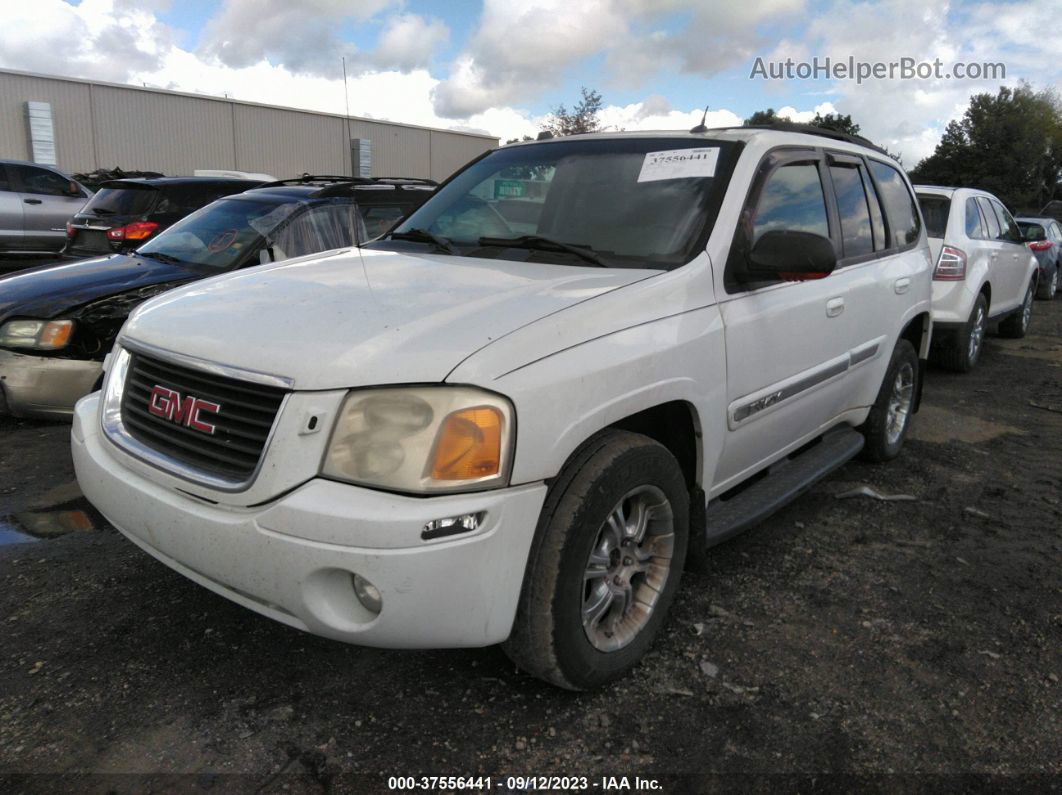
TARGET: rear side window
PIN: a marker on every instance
(121, 201)
(900, 208)
(975, 227)
(854, 210)
(990, 218)
(1009, 229)
(792, 199)
(935, 210)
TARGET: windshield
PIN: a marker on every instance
(935, 210)
(232, 232)
(121, 201)
(635, 202)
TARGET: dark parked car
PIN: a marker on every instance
(35, 203)
(125, 213)
(58, 322)
(1044, 237)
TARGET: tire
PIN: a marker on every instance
(1017, 324)
(962, 351)
(886, 426)
(614, 470)
(1048, 286)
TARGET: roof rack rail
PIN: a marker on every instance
(309, 179)
(810, 129)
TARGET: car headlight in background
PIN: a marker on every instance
(422, 439)
(41, 335)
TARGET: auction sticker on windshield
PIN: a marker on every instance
(679, 164)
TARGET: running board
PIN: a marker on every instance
(785, 481)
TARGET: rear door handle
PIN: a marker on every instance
(32, 201)
(901, 286)
(834, 307)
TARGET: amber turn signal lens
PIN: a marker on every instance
(55, 334)
(468, 446)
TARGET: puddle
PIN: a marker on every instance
(27, 527)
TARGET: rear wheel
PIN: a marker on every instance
(962, 352)
(605, 564)
(1017, 324)
(886, 426)
(1048, 285)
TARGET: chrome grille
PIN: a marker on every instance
(241, 425)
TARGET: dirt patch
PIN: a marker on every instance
(842, 636)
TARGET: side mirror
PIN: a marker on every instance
(792, 256)
(73, 189)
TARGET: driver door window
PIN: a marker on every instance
(42, 182)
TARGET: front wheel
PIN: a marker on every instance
(1017, 324)
(606, 562)
(886, 426)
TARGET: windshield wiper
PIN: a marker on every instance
(160, 257)
(545, 244)
(424, 236)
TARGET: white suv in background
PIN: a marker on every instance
(985, 274)
(518, 416)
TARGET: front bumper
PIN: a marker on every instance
(292, 559)
(41, 386)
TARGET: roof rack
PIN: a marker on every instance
(809, 129)
(342, 182)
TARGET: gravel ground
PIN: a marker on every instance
(909, 644)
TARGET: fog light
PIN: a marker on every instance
(452, 525)
(367, 594)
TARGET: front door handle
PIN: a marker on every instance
(32, 201)
(901, 286)
(834, 307)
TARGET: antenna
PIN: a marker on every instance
(700, 127)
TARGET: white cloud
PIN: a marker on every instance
(409, 41)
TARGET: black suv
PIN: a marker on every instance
(124, 213)
(57, 325)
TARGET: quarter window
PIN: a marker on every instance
(792, 199)
(853, 208)
(900, 209)
(975, 228)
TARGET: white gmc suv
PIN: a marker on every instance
(519, 415)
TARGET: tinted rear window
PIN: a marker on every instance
(121, 201)
(935, 211)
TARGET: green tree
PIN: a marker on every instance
(583, 118)
(1008, 143)
(836, 122)
(519, 140)
(763, 117)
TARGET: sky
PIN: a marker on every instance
(501, 66)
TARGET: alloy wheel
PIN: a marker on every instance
(900, 402)
(627, 568)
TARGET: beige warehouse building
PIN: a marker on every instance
(82, 125)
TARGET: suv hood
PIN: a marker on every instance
(361, 318)
(51, 290)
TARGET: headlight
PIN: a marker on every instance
(422, 439)
(42, 335)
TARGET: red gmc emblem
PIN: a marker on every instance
(186, 410)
